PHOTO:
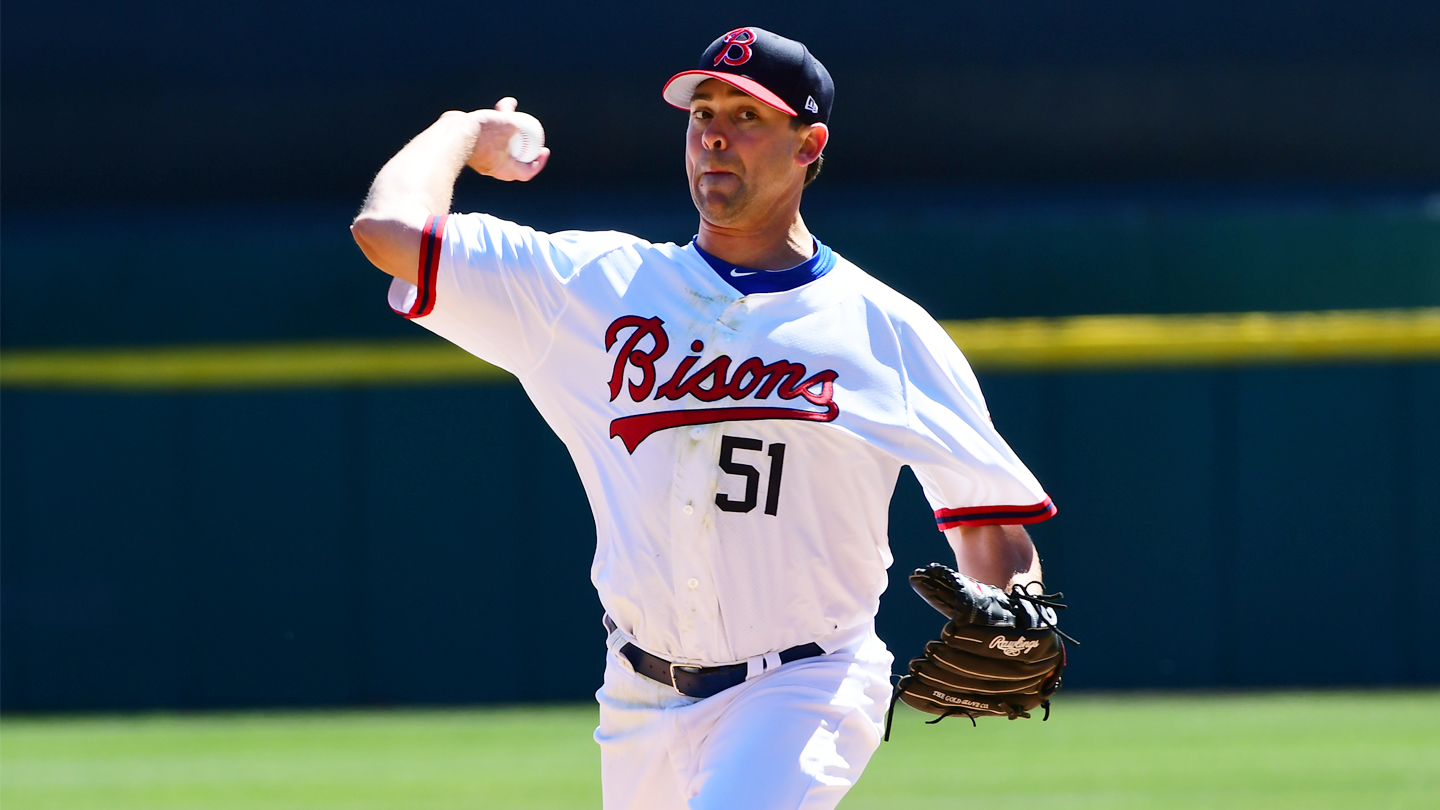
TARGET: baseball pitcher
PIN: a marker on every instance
(738, 408)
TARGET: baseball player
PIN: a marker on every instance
(738, 408)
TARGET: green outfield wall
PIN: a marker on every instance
(229, 476)
(1193, 250)
(374, 543)
(291, 273)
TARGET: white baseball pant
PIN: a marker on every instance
(795, 737)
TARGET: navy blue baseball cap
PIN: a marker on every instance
(778, 71)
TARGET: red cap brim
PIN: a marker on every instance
(682, 86)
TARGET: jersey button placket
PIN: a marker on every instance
(697, 596)
(688, 558)
(726, 339)
(696, 478)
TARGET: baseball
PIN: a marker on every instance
(526, 142)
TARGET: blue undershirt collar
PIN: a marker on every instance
(749, 281)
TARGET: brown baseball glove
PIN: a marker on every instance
(1000, 655)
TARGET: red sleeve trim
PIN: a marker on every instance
(432, 239)
(993, 515)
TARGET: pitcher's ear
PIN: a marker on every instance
(813, 144)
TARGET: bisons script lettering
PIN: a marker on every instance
(643, 344)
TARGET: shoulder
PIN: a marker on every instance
(488, 233)
(906, 318)
(926, 349)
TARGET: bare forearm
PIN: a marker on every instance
(415, 184)
(999, 555)
(421, 177)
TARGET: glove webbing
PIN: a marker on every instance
(1021, 593)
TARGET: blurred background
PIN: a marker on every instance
(180, 175)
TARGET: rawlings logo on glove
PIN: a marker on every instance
(1019, 646)
(1000, 655)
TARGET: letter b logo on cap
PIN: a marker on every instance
(737, 47)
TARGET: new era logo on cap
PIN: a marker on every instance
(778, 71)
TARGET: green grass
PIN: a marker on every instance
(1270, 751)
(1291, 750)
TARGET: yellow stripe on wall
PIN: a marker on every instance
(1080, 343)
(260, 365)
(1180, 341)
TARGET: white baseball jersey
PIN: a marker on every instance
(739, 452)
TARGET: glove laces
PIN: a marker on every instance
(1014, 712)
(1020, 594)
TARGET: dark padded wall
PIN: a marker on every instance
(1294, 495)
(366, 546)
(158, 101)
(179, 174)
(411, 546)
(286, 273)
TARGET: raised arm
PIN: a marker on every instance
(418, 182)
(997, 555)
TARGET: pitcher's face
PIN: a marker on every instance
(742, 156)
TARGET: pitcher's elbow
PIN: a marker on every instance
(363, 231)
(389, 242)
(370, 235)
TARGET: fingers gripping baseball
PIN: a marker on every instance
(500, 130)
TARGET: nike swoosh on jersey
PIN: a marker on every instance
(734, 274)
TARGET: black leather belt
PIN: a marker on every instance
(700, 682)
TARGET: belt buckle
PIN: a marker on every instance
(675, 684)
